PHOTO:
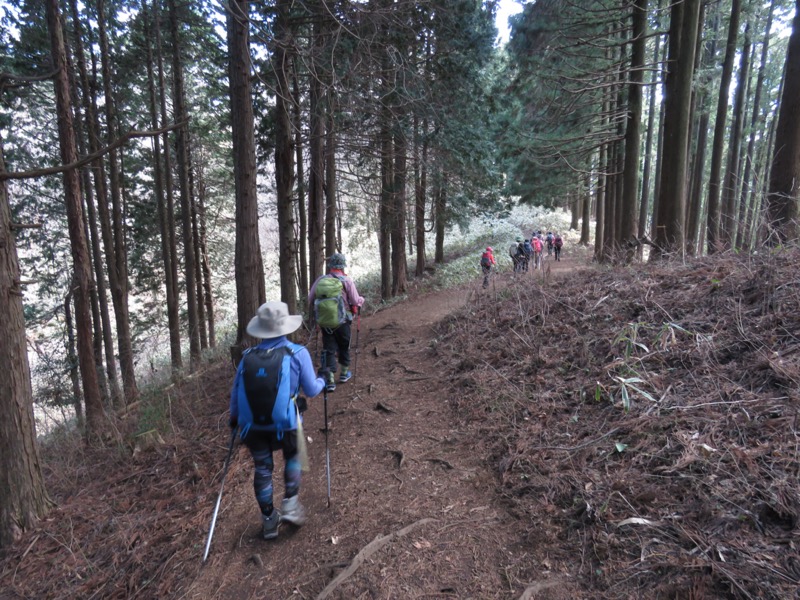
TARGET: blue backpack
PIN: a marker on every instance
(265, 401)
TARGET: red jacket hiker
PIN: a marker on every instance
(488, 255)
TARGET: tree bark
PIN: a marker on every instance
(713, 223)
(166, 212)
(420, 191)
(316, 193)
(695, 200)
(399, 264)
(387, 192)
(747, 199)
(23, 499)
(182, 160)
(116, 252)
(441, 217)
(586, 213)
(331, 216)
(284, 165)
(302, 215)
(248, 265)
(732, 173)
(96, 420)
(96, 169)
(634, 123)
(670, 234)
(785, 174)
(644, 202)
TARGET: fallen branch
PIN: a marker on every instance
(366, 552)
(579, 446)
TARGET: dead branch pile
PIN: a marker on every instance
(644, 422)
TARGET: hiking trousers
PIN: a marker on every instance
(261, 445)
(336, 342)
(486, 272)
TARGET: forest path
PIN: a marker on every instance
(398, 461)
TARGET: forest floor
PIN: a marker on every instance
(579, 433)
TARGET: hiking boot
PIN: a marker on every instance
(345, 376)
(269, 524)
(331, 384)
(293, 512)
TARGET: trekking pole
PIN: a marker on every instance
(219, 498)
(358, 329)
(327, 452)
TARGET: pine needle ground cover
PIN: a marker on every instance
(643, 423)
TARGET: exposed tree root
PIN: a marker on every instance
(365, 553)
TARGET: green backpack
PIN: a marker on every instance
(330, 310)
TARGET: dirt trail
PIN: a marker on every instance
(397, 461)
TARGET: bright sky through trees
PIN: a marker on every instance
(505, 8)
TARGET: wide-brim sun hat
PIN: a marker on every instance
(273, 320)
(519, 238)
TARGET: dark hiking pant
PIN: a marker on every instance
(261, 445)
(336, 342)
(486, 272)
(558, 253)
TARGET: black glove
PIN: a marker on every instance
(302, 404)
(324, 372)
(233, 422)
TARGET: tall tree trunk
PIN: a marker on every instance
(399, 264)
(748, 186)
(331, 243)
(72, 361)
(387, 191)
(420, 191)
(166, 204)
(23, 499)
(96, 420)
(441, 217)
(586, 213)
(732, 174)
(249, 268)
(659, 152)
(634, 123)
(92, 238)
(206, 293)
(600, 202)
(95, 167)
(116, 253)
(695, 200)
(284, 165)
(302, 241)
(316, 193)
(785, 174)
(574, 211)
(182, 159)
(670, 234)
(644, 201)
(198, 251)
(713, 225)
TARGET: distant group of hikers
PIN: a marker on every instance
(265, 406)
(523, 252)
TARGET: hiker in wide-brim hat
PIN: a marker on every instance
(265, 408)
(273, 320)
